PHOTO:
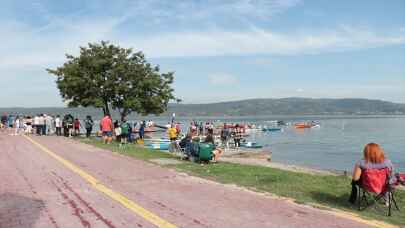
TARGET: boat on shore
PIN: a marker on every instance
(252, 145)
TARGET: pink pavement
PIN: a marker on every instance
(38, 191)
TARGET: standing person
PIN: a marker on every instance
(237, 135)
(124, 132)
(36, 125)
(77, 125)
(201, 129)
(4, 120)
(88, 123)
(129, 133)
(142, 130)
(178, 128)
(28, 122)
(48, 123)
(58, 125)
(17, 124)
(224, 136)
(172, 132)
(106, 127)
(64, 126)
(42, 124)
(69, 124)
(10, 121)
(117, 131)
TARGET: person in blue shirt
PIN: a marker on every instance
(142, 130)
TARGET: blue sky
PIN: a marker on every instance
(220, 49)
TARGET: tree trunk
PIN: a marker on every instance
(106, 109)
(124, 114)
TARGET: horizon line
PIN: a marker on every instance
(219, 102)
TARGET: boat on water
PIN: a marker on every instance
(147, 130)
(307, 125)
(271, 129)
(252, 145)
(252, 130)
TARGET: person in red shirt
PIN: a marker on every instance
(77, 125)
(106, 127)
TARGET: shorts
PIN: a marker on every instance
(173, 139)
(107, 133)
(123, 135)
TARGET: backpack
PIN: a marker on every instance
(88, 123)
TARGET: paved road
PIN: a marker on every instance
(37, 190)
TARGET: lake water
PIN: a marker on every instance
(336, 145)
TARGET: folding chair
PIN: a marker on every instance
(375, 184)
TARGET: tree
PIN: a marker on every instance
(108, 76)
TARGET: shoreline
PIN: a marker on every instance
(246, 156)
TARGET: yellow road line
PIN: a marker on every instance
(357, 218)
(147, 215)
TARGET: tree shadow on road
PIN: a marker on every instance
(19, 211)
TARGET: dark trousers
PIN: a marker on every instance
(88, 132)
(66, 131)
(58, 131)
(43, 128)
(39, 129)
(237, 142)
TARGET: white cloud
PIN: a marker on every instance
(260, 41)
(222, 79)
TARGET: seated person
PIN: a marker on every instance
(209, 139)
(216, 152)
(374, 158)
(185, 140)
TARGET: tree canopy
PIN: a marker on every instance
(108, 76)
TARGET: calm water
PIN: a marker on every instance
(336, 145)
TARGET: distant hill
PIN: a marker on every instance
(290, 106)
(284, 106)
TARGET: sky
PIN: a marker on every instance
(220, 50)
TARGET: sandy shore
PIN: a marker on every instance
(261, 158)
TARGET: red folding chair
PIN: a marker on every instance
(375, 184)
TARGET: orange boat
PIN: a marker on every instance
(303, 125)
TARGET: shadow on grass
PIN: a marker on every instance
(332, 200)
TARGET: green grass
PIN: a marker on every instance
(329, 191)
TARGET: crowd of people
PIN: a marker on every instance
(44, 124)
(227, 132)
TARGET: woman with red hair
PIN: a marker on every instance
(373, 158)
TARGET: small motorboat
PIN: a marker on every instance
(146, 131)
(252, 145)
(271, 129)
(302, 125)
(307, 125)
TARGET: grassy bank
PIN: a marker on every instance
(329, 191)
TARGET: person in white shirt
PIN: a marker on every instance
(42, 128)
(48, 122)
(36, 124)
(17, 124)
(58, 125)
